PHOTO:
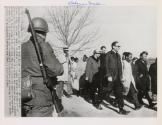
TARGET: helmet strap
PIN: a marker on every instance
(41, 36)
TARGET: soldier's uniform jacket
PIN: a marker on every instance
(30, 66)
(113, 65)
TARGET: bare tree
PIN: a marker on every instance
(72, 26)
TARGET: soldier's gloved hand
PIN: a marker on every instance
(52, 81)
(86, 78)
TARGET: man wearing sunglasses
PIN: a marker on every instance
(114, 76)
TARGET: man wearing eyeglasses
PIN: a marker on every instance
(114, 76)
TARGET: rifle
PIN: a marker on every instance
(46, 79)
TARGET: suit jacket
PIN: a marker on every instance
(113, 65)
(30, 67)
(103, 64)
(143, 83)
(92, 68)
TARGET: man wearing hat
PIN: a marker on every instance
(40, 103)
(92, 78)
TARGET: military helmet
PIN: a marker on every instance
(39, 24)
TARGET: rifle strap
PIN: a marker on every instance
(41, 54)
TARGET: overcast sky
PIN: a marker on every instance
(134, 27)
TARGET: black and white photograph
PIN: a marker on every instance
(81, 60)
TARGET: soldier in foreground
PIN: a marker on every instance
(37, 102)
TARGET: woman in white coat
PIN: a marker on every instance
(128, 80)
(74, 74)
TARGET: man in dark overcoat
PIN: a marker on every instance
(114, 75)
(143, 79)
(103, 71)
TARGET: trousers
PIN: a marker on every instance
(117, 87)
(133, 95)
(141, 94)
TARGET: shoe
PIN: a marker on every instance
(61, 114)
(107, 99)
(141, 103)
(78, 94)
(98, 107)
(123, 112)
(89, 101)
(152, 105)
(68, 96)
(115, 104)
(138, 107)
